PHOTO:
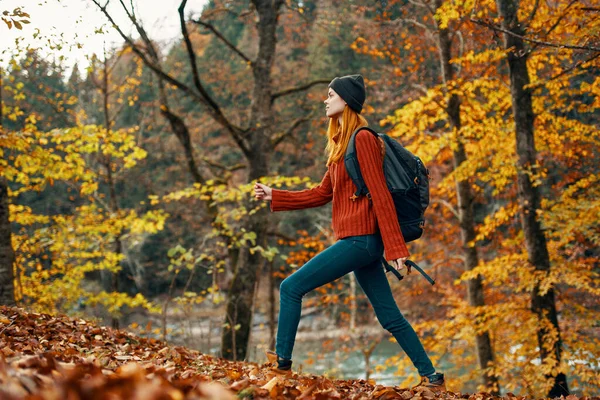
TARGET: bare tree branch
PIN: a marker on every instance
(189, 47)
(449, 206)
(423, 90)
(540, 42)
(461, 50)
(210, 13)
(281, 235)
(146, 60)
(560, 18)
(399, 21)
(532, 14)
(224, 40)
(150, 48)
(278, 138)
(192, 57)
(140, 29)
(201, 97)
(222, 166)
(288, 91)
(422, 3)
(564, 72)
(177, 124)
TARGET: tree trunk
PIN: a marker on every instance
(7, 288)
(255, 142)
(485, 353)
(7, 255)
(543, 305)
(240, 298)
(271, 306)
(112, 284)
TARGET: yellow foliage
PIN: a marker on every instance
(566, 98)
(77, 244)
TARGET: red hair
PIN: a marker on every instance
(338, 135)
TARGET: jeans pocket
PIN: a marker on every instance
(361, 242)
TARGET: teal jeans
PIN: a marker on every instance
(361, 255)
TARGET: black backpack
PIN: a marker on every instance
(407, 180)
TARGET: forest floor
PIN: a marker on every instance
(57, 357)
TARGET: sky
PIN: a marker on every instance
(79, 20)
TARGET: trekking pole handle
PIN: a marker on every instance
(389, 268)
(409, 264)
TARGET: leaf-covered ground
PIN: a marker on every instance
(57, 357)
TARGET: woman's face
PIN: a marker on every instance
(334, 104)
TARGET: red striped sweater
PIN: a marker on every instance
(350, 217)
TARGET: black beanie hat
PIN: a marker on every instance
(351, 88)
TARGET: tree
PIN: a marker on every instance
(57, 252)
(543, 302)
(108, 90)
(420, 27)
(562, 102)
(58, 247)
(465, 199)
(256, 142)
(45, 92)
(7, 290)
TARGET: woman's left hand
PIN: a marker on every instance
(399, 264)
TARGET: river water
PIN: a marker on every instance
(319, 359)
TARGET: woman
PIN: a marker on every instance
(365, 231)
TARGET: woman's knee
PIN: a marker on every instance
(392, 323)
(287, 287)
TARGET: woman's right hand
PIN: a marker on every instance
(399, 264)
(262, 192)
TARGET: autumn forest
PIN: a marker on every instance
(126, 189)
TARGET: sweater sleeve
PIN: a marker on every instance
(368, 151)
(287, 200)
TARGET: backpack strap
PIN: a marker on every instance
(409, 264)
(352, 167)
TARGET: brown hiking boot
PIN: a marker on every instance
(434, 382)
(280, 366)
